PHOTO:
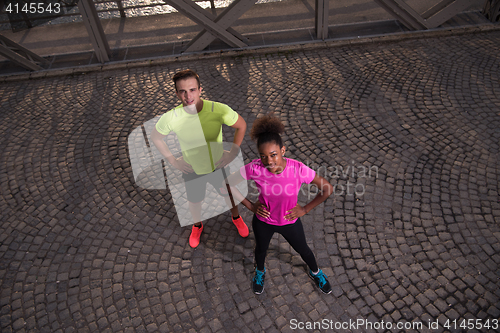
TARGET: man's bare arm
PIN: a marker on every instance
(240, 128)
(162, 147)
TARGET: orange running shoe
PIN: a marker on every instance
(242, 227)
(194, 239)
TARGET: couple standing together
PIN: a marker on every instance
(274, 211)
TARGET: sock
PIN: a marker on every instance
(199, 227)
(315, 273)
(235, 218)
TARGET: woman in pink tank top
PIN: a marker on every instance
(278, 180)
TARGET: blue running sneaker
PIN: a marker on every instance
(258, 281)
(321, 281)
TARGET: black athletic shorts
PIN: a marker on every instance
(196, 185)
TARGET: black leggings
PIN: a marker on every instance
(294, 235)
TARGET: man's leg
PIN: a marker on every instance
(230, 202)
(237, 220)
(195, 209)
(235, 215)
(195, 191)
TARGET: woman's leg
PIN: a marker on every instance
(294, 234)
(263, 233)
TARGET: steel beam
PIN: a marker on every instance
(211, 17)
(120, 8)
(445, 10)
(403, 13)
(201, 17)
(212, 6)
(95, 30)
(224, 21)
(432, 18)
(492, 10)
(321, 19)
(20, 55)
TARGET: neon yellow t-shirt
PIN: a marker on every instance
(200, 134)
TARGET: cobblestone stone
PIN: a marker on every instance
(408, 130)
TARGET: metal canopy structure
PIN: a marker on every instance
(492, 10)
(219, 26)
(20, 55)
(213, 27)
(432, 18)
(321, 19)
(95, 30)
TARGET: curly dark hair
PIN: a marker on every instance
(267, 129)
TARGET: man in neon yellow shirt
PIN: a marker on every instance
(198, 126)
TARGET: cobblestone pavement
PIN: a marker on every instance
(408, 133)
